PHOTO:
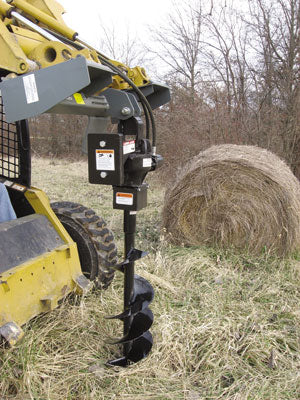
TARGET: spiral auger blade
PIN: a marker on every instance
(138, 294)
(142, 297)
(138, 314)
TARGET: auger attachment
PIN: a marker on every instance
(119, 160)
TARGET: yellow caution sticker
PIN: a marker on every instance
(78, 98)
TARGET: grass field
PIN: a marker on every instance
(226, 326)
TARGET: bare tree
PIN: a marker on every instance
(226, 55)
(276, 26)
(125, 48)
(178, 44)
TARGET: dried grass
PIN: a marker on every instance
(238, 196)
(226, 326)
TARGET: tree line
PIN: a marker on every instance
(233, 70)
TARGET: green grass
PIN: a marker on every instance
(226, 326)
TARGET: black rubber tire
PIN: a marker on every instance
(95, 242)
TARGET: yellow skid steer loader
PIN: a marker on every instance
(49, 251)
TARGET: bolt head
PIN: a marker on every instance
(102, 143)
(103, 175)
(126, 111)
(22, 66)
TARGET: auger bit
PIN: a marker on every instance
(138, 294)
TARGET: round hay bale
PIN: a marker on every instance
(235, 196)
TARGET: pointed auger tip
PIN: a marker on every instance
(118, 362)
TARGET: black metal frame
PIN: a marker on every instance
(15, 154)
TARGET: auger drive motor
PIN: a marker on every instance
(48, 252)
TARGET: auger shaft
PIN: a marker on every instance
(129, 241)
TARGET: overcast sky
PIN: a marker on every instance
(133, 17)
(84, 16)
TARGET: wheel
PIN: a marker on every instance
(95, 242)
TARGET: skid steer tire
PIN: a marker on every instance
(95, 242)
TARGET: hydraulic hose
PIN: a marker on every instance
(146, 106)
(105, 60)
(139, 93)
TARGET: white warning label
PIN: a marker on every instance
(105, 160)
(147, 162)
(124, 198)
(30, 89)
(19, 187)
(129, 147)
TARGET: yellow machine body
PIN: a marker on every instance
(37, 285)
(23, 50)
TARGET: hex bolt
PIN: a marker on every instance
(126, 111)
(102, 143)
(103, 175)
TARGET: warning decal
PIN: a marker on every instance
(147, 162)
(129, 147)
(105, 160)
(124, 198)
(19, 187)
(30, 89)
(78, 98)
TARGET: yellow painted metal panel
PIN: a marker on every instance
(13, 59)
(44, 18)
(41, 205)
(49, 53)
(27, 39)
(50, 7)
(37, 285)
(5, 8)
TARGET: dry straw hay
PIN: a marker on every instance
(235, 196)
